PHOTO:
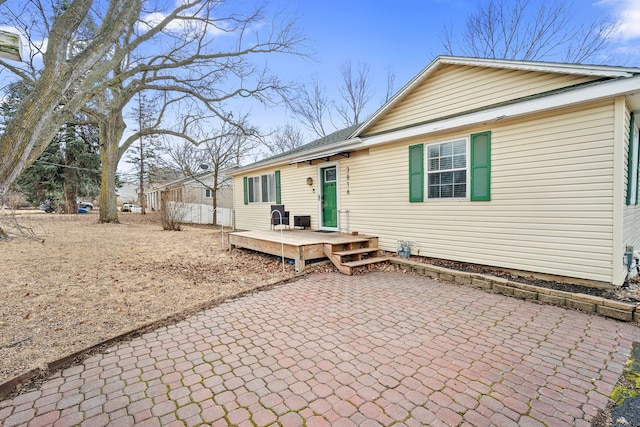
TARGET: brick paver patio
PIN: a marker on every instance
(377, 349)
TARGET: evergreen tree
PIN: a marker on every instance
(81, 176)
(43, 180)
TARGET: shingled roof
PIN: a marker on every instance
(333, 138)
(337, 136)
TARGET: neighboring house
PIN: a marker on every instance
(523, 165)
(128, 193)
(195, 199)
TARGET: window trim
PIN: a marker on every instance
(273, 194)
(476, 173)
(467, 170)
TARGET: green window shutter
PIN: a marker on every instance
(481, 166)
(278, 188)
(416, 173)
(246, 190)
(630, 172)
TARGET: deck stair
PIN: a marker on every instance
(358, 253)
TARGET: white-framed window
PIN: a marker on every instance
(208, 193)
(447, 170)
(262, 188)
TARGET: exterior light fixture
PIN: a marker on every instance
(309, 181)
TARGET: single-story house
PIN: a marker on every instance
(128, 193)
(195, 197)
(531, 166)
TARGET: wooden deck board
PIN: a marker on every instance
(299, 245)
(361, 262)
(300, 237)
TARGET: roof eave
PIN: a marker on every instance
(552, 67)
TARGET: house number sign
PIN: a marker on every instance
(348, 176)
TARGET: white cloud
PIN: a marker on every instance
(628, 14)
(178, 25)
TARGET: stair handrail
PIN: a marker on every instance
(345, 211)
(281, 235)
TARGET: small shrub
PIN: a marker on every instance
(172, 215)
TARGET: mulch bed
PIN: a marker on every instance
(629, 292)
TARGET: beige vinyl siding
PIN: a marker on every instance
(254, 216)
(195, 193)
(551, 207)
(459, 88)
(297, 197)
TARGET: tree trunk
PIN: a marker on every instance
(111, 132)
(214, 196)
(70, 183)
(70, 203)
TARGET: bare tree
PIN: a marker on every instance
(315, 110)
(213, 153)
(199, 54)
(311, 107)
(518, 29)
(144, 154)
(355, 93)
(284, 139)
(391, 80)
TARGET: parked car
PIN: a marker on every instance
(85, 205)
(49, 206)
(130, 207)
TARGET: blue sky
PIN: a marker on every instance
(402, 35)
(405, 35)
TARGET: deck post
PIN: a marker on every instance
(300, 261)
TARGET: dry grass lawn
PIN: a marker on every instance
(89, 282)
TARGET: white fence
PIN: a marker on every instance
(196, 213)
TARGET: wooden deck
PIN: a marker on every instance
(298, 245)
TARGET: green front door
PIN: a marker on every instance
(329, 197)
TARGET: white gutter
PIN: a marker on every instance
(546, 67)
(577, 96)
